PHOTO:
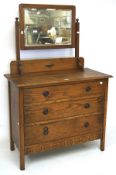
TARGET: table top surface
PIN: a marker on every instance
(52, 78)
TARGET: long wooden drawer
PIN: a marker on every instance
(51, 93)
(37, 113)
(63, 129)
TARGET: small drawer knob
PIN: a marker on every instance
(45, 111)
(86, 105)
(86, 124)
(88, 89)
(45, 131)
(49, 65)
(45, 93)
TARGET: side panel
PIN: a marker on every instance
(14, 93)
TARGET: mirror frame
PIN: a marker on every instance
(62, 7)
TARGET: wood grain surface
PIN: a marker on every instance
(56, 77)
(63, 92)
(50, 111)
(61, 129)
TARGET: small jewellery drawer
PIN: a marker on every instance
(51, 93)
(50, 111)
(63, 128)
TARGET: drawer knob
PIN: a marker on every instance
(45, 93)
(45, 131)
(86, 105)
(88, 89)
(86, 124)
(49, 65)
(45, 111)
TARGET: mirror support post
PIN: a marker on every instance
(17, 44)
(77, 38)
(17, 39)
(80, 60)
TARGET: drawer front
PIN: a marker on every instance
(44, 112)
(45, 94)
(63, 129)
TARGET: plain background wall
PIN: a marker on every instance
(97, 45)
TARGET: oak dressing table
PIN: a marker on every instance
(56, 102)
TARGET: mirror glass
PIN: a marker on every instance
(47, 27)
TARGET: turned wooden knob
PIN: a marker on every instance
(88, 89)
(45, 93)
(86, 105)
(45, 111)
(45, 131)
(86, 124)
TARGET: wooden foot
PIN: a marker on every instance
(22, 161)
(102, 145)
(22, 167)
(12, 147)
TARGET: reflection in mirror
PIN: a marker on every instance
(47, 26)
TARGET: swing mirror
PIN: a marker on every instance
(46, 26)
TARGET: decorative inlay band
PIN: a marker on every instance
(62, 143)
